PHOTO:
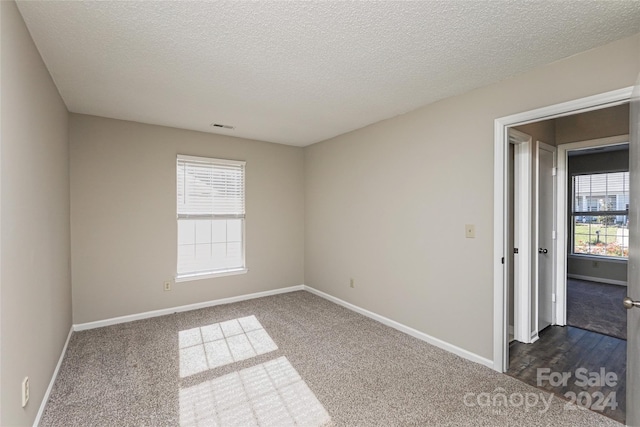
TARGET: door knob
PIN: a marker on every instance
(542, 251)
(628, 303)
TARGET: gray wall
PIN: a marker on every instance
(34, 244)
(593, 124)
(387, 204)
(544, 131)
(123, 216)
(609, 161)
(595, 269)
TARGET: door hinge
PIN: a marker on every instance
(554, 171)
(515, 250)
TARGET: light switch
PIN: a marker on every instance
(470, 231)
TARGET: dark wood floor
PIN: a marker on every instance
(567, 349)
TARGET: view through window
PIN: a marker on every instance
(600, 214)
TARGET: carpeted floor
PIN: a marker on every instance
(290, 359)
(597, 307)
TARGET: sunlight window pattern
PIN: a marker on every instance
(268, 394)
(219, 344)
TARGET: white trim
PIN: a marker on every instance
(500, 246)
(534, 337)
(561, 237)
(406, 329)
(45, 398)
(598, 279)
(536, 259)
(562, 215)
(591, 143)
(211, 160)
(523, 235)
(192, 277)
(188, 307)
(582, 105)
(500, 333)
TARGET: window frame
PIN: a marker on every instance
(573, 214)
(191, 276)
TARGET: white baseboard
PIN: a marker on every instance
(188, 307)
(534, 337)
(149, 314)
(597, 279)
(406, 329)
(45, 399)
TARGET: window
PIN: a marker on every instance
(210, 217)
(600, 214)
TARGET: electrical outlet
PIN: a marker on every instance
(352, 283)
(25, 391)
(167, 286)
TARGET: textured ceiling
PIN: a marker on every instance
(300, 72)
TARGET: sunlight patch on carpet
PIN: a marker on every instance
(211, 346)
(268, 394)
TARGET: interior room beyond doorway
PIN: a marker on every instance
(596, 264)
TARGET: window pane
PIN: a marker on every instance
(601, 233)
(186, 255)
(219, 228)
(203, 231)
(210, 197)
(234, 254)
(604, 235)
(186, 232)
(234, 230)
(212, 249)
(218, 260)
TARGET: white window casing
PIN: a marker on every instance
(211, 217)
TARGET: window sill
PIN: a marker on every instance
(210, 275)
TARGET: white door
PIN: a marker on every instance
(546, 163)
(633, 279)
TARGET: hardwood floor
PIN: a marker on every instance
(583, 357)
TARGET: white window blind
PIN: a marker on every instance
(211, 213)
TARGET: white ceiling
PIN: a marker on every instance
(300, 72)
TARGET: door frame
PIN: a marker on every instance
(563, 212)
(536, 260)
(522, 235)
(500, 208)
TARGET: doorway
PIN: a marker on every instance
(569, 341)
(596, 220)
(596, 191)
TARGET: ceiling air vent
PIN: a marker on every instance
(218, 125)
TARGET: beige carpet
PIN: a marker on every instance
(290, 359)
